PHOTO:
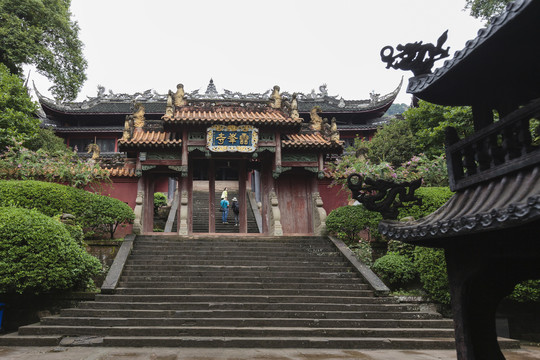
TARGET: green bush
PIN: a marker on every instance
(347, 221)
(38, 255)
(160, 199)
(104, 214)
(401, 248)
(431, 266)
(94, 213)
(526, 291)
(432, 199)
(394, 269)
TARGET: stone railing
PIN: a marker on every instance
(496, 150)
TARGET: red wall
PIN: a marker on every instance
(294, 197)
(332, 197)
(161, 184)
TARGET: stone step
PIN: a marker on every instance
(222, 267)
(280, 342)
(239, 298)
(257, 331)
(232, 260)
(232, 239)
(249, 322)
(244, 285)
(196, 262)
(164, 275)
(234, 254)
(226, 252)
(228, 291)
(242, 342)
(125, 312)
(227, 278)
(222, 309)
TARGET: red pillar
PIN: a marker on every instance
(242, 178)
(212, 196)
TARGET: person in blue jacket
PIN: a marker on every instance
(224, 204)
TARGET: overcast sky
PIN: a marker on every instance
(250, 46)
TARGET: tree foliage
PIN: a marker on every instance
(41, 33)
(20, 163)
(429, 121)
(393, 143)
(17, 111)
(396, 109)
(47, 141)
(485, 9)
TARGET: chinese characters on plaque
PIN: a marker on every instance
(232, 138)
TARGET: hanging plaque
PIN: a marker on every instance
(232, 138)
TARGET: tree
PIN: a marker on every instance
(393, 143)
(41, 32)
(48, 142)
(395, 109)
(18, 122)
(428, 122)
(485, 9)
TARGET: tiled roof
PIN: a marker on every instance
(309, 141)
(151, 139)
(121, 172)
(155, 104)
(493, 205)
(89, 129)
(461, 80)
(194, 115)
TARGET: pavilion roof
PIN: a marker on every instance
(155, 104)
(485, 71)
(233, 115)
(151, 139)
(122, 172)
(493, 205)
(310, 142)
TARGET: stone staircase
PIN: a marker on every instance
(200, 215)
(289, 292)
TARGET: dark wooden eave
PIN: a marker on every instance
(508, 75)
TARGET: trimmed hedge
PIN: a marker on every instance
(395, 269)
(347, 221)
(38, 255)
(93, 212)
(431, 266)
(432, 199)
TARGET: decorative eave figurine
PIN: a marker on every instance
(316, 120)
(383, 196)
(417, 57)
(275, 98)
(138, 116)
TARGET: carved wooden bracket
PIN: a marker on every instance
(382, 196)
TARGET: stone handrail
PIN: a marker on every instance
(113, 276)
(373, 280)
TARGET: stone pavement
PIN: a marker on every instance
(102, 353)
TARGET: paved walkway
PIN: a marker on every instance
(97, 353)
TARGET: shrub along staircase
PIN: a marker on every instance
(289, 292)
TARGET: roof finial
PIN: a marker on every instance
(211, 89)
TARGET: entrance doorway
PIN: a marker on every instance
(210, 178)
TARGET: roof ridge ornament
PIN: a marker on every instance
(417, 57)
(275, 98)
(211, 88)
